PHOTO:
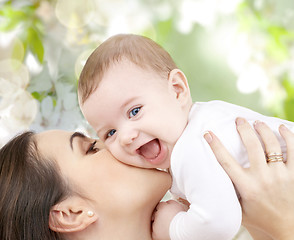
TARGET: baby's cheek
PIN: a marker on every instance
(117, 153)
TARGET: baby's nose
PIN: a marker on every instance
(128, 137)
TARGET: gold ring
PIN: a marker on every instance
(274, 157)
(274, 160)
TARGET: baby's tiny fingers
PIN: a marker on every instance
(160, 205)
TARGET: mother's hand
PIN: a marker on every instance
(266, 189)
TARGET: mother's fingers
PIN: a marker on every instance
(229, 164)
(251, 142)
(271, 143)
(289, 138)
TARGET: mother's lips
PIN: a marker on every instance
(150, 150)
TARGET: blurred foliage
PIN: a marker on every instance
(60, 37)
(289, 100)
(32, 29)
(271, 21)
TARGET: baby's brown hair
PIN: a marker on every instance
(140, 50)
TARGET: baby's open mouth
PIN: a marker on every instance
(150, 150)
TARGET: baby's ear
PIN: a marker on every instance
(71, 215)
(178, 83)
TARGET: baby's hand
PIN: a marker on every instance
(163, 215)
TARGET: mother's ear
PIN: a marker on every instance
(178, 83)
(71, 215)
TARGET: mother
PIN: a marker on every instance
(73, 185)
(62, 185)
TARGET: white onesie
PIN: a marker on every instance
(215, 212)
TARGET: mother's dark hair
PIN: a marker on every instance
(29, 186)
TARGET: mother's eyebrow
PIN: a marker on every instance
(75, 134)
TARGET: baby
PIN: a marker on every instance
(139, 103)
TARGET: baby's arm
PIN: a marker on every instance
(215, 212)
(163, 215)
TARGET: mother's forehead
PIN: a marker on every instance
(55, 133)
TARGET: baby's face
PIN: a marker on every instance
(137, 114)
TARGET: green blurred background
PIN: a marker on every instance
(240, 51)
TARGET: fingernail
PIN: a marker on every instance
(240, 121)
(283, 127)
(208, 137)
(257, 123)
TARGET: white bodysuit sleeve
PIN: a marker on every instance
(215, 212)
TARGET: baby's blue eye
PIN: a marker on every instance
(134, 112)
(111, 132)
